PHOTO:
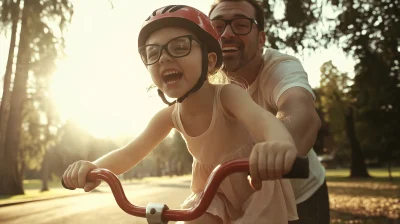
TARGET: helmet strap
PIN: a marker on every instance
(162, 96)
(198, 85)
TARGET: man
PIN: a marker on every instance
(278, 83)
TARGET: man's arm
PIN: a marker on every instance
(296, 110)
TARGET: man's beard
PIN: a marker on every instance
(233, 63)
(238, 62)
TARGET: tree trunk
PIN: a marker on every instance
(5, 101)
(10, 172)
(158, 167)
(357, 168)
(44, 171)
(390, 172)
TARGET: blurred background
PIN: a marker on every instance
(74, 88)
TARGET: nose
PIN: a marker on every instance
(164, 57)
(228, 32)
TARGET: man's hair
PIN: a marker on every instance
(256, 5)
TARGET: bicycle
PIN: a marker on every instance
(157, 213)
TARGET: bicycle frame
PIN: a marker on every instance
(156, 213)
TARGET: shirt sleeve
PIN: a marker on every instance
(287, 74)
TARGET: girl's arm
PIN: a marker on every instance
(121, 160)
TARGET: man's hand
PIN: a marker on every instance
(270, 161)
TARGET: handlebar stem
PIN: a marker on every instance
(154, 213)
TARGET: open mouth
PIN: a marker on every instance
(172, 77)
(228, 49)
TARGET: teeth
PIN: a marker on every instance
(229, 48)
(170, 73)
(171, 76)
(172, 81)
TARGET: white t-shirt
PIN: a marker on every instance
(279, 73)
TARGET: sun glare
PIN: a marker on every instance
(101, 84)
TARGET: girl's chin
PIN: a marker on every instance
(172, 96)
(173, 93)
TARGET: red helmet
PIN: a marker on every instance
(185, 17)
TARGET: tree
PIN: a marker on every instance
(296, 29)
(37, 50)
(170, 157)
(336, 103)
(371, 34)
(9, 14)
(181, 158)
(365, 30)
(11, 177)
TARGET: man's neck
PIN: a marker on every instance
(248, 74)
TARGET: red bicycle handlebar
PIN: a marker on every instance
(299, 170)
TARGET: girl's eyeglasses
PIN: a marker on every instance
(177, 48)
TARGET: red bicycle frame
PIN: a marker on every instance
(160, 213)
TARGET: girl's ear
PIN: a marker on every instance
(212, 60)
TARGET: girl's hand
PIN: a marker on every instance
(270, 161)
(75, 175)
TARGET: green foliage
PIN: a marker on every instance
(170, 157)
(333, 101)
(372, 34)
(301, 26)
(368, 31)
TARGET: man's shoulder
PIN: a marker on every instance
(271, 55)
(275, 60)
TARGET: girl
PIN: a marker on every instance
(180, 48)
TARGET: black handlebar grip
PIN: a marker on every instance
(300, 169)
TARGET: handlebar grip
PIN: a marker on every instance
(300, 169)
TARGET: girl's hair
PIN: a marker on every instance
(220, 77)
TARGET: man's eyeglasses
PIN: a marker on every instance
(239, 26)
(177, 48)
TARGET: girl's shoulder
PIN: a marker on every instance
(232, 97)
(164, 116)
(232, 91)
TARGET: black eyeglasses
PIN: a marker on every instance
(177, 48)
(239, 26)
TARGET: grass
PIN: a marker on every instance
(364, 200)
(378, 175)
(35, 194)
(374, 172)
(37, 184)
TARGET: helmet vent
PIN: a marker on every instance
(170, 8)
(175, 8)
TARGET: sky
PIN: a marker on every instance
(102, 83)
